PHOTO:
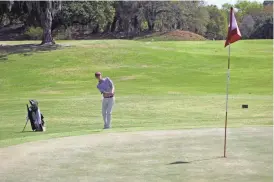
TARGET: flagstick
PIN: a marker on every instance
(227, 86)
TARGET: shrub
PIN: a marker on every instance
(63, 33)
(34, 33)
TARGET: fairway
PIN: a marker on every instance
(173, 86)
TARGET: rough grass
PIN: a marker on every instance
(159, 85)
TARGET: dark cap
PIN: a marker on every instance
(98, 74)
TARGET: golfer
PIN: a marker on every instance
(106, 87)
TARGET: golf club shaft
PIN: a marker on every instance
(25, 125)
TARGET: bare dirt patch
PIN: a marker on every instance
(67, 71)
(96, 45)
(176, 35)
(132, 77)
(52, 92)
(183, 35)
(174, 93)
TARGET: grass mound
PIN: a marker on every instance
(176, 35)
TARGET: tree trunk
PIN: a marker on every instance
(113, 25)
(96, 29)
(120, 25)
(136, 25)
(56, 23)
(11, 20)
(46, 21)
(107, 28)
(150, 24)
(1, 19)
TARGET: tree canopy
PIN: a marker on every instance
(134, 17)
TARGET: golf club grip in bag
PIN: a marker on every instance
(31, 119)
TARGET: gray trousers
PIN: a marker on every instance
(107, 104)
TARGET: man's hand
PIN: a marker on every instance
(107, 94)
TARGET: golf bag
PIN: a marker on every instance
(35, 117)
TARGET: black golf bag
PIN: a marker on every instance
(35, 117)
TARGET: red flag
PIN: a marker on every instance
(234, 33)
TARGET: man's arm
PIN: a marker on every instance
(112, 86)
(100, 89)
(105, 94)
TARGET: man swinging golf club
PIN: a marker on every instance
(106, 87)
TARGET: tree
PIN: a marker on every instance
(263, 28)
(128, 17)
(3, 11)
(46, 10)
(175, 16)
(12, 11)
(200, 20)
(185, 15)
(152, 9)
(95, 13)
(268, 6)
(226, 7)
(247, 26)
(247, 7)
(218, 24)
(255, 19)
(194, 16)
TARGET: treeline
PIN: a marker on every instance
(134, 17)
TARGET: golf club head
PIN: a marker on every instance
(34, 104)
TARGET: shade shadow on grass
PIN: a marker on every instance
(25, 49)
(197, 160)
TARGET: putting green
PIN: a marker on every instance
(185, 155)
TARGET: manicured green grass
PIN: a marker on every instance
(187, 155)
(159, 85)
